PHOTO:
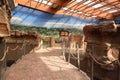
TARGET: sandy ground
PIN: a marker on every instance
(44, 64)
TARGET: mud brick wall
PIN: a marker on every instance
(2, 68)
(2, 63)
(52, 42)
(5, 15)
(97, 36)
(19, 52)
(75, 39)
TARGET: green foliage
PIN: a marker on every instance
(44, 30)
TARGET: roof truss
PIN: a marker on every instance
(96, 9)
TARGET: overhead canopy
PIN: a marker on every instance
(98, 9)
(22, 15)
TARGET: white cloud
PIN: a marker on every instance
(16, 18)
(67, 25)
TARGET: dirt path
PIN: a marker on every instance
(45, 64)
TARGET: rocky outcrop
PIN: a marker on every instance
(102, 46)
(102, 33)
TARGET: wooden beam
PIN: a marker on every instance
(80, 7)
(41, 7)
(112, 4)
(100, 7)
(69, 3)
(93, 14)
(95, 10)
(75, 5)
(48, 2)
(30, 3)
(38, 2)
(90, 5)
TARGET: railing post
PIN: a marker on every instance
(69, 52)
(24, 49)
(5, 48)
(119, 66)
(78, 55)
(92, 64)
(63, 50)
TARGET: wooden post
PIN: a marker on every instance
(52, 42)
(24, 49)
(92, 64)
(78, 54)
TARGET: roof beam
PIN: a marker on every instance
(100, 7)
(93, 14)
(48, 2)
(75, 5)
(38, 2)
(90, 5)
(66, 3)
(112, 4)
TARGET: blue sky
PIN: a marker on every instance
(27, 16)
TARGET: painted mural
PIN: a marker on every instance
(31, 17)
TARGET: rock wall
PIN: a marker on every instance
(103, 43)
(5, 15)
(17, 45)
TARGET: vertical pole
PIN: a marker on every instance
(119, 66)
(24, 49)
(33, 47)
(69, 54)
(16, 54)
(78, 54)
(0, 71)
(63, 48)
(5, 48)
(92, 64)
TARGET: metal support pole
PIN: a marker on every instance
(69, 55)
(78, 54)
(5, 47)
(33, 48)
(24, 49)
(92, 64)
(119, 66)
(63, 49)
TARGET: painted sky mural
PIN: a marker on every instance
(31, 17)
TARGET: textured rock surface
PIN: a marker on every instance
(102, 33)
(5, 15)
